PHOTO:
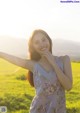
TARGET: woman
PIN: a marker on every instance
(50, 75)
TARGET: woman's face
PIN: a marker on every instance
(40, 43)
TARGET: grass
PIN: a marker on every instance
(17, 94)
(73, 97)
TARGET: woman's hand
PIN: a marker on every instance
(48, 55)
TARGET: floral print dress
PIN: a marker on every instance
(50, 95)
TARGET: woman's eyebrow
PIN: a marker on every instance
(36, 40)
(43, 37)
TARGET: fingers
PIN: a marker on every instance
(45, 54)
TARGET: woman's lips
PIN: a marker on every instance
(43, 49)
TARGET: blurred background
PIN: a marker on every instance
(61, 21)
(18, 18)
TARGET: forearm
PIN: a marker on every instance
(12, 59)
(64, 79)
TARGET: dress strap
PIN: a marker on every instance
(35, 68)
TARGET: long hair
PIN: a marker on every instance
(33, 54)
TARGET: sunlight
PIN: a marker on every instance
(13, 21)
(19, 18)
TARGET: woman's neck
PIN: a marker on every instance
(43, 60)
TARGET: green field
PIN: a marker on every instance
(17, 94)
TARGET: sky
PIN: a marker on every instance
(18, 18)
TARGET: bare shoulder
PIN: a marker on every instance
(67, 66)
(65, 58)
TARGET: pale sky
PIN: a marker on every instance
(18, 18)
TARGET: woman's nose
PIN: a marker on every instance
(42, 46)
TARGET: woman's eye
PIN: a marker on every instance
(36, 42)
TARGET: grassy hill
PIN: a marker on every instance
(7, 68)
(17, 94)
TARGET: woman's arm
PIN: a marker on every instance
(24, 63)
(64, 77)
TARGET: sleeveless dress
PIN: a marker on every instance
(50, 95)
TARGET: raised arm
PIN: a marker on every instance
(24, 63)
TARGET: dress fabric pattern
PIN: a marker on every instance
(50, 95)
